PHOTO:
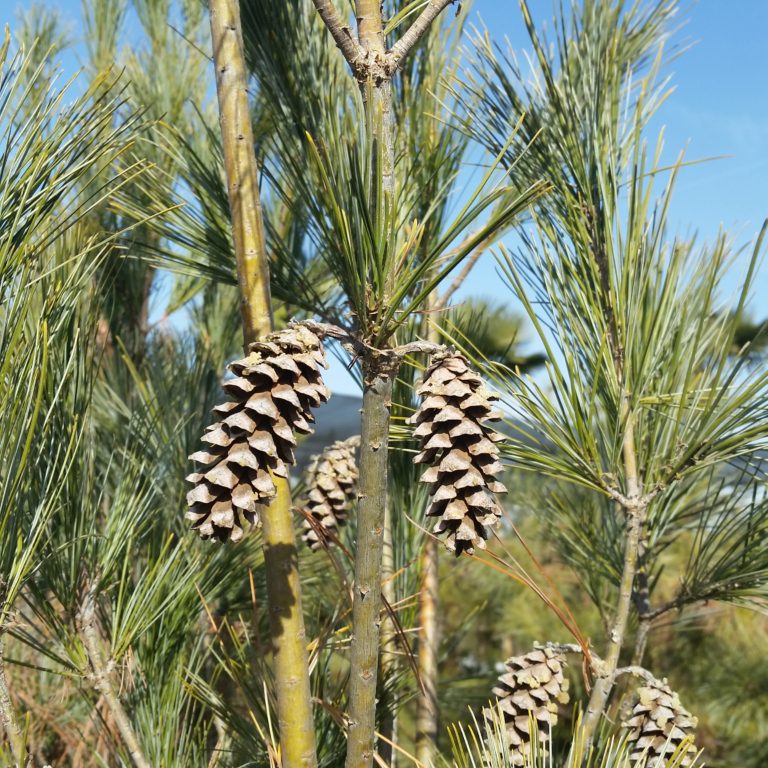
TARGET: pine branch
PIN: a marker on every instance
(241, 170)
(400, 50)
(427, 704)
(429, 644)
(8, 715)
(101, 677)
(635, 516)
(342, 34)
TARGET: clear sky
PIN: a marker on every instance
(719, 108)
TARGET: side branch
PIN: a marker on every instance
(382, 67)
(636, 671)
(8, 715)
(360, 349)
(101, 677)
(397, 53)
(341, 33)
(442, 302)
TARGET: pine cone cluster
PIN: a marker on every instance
(531, 690)
(658, 725)
(331, 480)
(272, 391)
(461, 450)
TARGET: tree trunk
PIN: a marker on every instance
(427, 710)
(292, 688)
(366, 606)
(374, 462)
(388, 661)
(429, 642)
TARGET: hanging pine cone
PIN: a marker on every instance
(331, 480)
(531, 689)
(658, 725)
(272, 390)
(461, 450)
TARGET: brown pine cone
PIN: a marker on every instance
(331, 480)
(658, 725)
(460, 447)
(272, 392)
(531, 689)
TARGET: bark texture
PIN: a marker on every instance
(366, 607)
(241, 169)
(294, 704)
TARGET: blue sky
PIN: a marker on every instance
(719, 108)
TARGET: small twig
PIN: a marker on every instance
(398, 52)
(458, 281)
(633, 503)
(636, 671)
(564, 648)
(359, 348)
(673, 605)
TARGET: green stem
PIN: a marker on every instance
(366, 606)
(388, 661)
(292, 687)
(427, 704)
(606, 673)
(427, 708)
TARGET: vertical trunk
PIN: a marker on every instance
(292, 688)
(374, 469)
(241, 169)
(429, 642)
(388, 661)
(366, 607)
(427, 711)
(370, 29)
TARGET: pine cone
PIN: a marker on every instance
(461, 451)
(532, 688)
(331, 480)
(658, 725)
(272, 390)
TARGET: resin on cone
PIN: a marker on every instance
(529, 692)
(658, 725)
(331, 480)
(272, 391)
(461, 450)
